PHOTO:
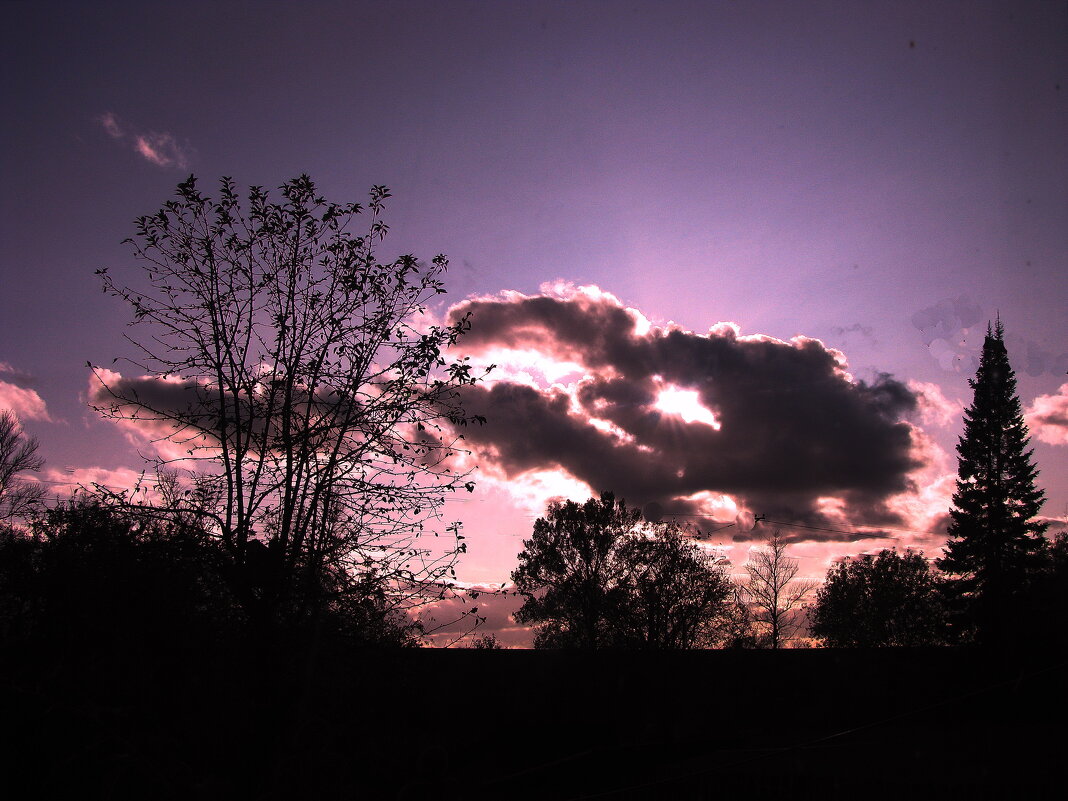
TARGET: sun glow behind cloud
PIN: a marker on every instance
(686, 404)
(592, 391)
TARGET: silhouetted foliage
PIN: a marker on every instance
(594, 576)
(994, 539)
(882, 600)
(89, 573)
(570, 573)
(124, 653)
(774, 592)
(1044, 600)
(486, 642)
(18, 454)
(291, 369)
(676, 596)
(737, 628)
(95, 577)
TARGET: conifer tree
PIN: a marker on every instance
(994, 539)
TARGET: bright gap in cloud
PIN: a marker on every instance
(685, 403)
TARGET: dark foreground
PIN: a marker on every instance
(421, 724)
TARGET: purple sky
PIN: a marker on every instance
(883, 177)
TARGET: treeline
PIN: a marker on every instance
(596, 575)
(93, 574)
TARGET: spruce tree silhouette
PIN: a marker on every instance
(994, 540)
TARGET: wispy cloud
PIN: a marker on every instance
(111, 126)
(865, 331)
(161, 149)
(71, 479)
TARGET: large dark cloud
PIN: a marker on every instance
(793, 426)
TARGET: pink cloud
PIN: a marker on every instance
(450, 619)
(111, 125)
(24, 402)
(162, 430)
(161, 149)
(1048, 417)
(935, 408)
(68, 480)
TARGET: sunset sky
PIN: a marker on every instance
(732, 258)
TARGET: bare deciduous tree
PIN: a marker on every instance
(774, 592)
(312, 399)
(18, 454)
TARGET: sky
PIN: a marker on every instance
(732, 259)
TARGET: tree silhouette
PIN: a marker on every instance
(882, 600)
(91, 575)
(677, 598)
(773, 591)
(596, 576)
(486, 642)
(994, 540)
(18, 454)
(296, 375)
(571, 574)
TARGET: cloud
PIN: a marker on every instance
(789, 425)
(178, 416)
(110, 124)
(161, 149)
(1047, 417)
(164, 405)
(19, 397)
(865, 331)
(15, 376)
(446, 619)
(70, 479)
(935, 408)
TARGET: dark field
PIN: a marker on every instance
(530, 725)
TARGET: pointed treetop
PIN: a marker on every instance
(995, 535)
